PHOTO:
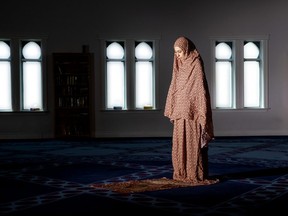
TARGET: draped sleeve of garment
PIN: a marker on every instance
(188, 95)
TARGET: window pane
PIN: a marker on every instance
(31, 76)
(223, 51)
(5, 76)
(32, 85)
(223, 84)
(4, 50)
(115, 51)
(144, 84)
(5, 86)
(115, 85)
(143, 51)
(251, 51)
(251, 84)
(31, 51)
(115, 75)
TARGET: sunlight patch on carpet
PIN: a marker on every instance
(136, 186)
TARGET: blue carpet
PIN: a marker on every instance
(45, 177)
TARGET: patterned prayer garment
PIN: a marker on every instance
(188, 107)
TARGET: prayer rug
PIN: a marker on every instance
(137, 186)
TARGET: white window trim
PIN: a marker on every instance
(16, 82)
(238, 66)
(130, 67)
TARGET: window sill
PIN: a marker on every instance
(241, 110)
(130, 110)
(23, 112)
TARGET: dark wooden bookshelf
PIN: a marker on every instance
(72, 82)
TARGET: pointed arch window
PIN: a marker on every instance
(22, 78)
(130, 74)
(144, 86)
(5, 76)
(252, 74)
(223, 75)
(31, 76)
(240, 78)
(115, 75)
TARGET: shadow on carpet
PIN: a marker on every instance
(137, 186)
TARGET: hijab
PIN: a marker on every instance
(188, 95)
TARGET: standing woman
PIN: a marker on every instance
(188, 108)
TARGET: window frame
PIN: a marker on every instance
(16, 73)
(238, 60)
(130, 69)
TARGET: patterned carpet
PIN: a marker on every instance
(144, 185)
(45, 177)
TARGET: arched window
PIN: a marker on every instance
(240, 78)
(21, 75)
(223, 75)
(115, 76)
(5, 76)
(32, 92)
(144, 86)
(252, 76)
(130, 74)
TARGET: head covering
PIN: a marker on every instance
(185, 44)
(188, 95)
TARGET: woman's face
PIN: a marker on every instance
(178, 52)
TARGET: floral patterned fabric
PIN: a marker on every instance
(188, 107)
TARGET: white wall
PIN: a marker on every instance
(70, 24)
